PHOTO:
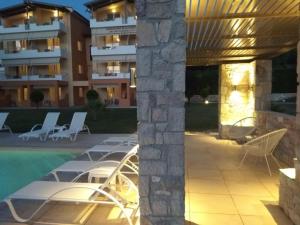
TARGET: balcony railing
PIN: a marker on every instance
(116, 50)
(33, 27)
(108, 76)
(33, 53)
(117, 22)
(58, 77)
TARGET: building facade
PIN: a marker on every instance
(113, 51)
(43, 46)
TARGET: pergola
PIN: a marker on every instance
(242, 36)
(220, 31)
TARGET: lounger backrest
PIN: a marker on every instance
(3, 117)
(77, 122)
(268, 142)
(50, 121)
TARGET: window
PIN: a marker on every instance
(80, 69)
(59, 93)
(113, 67)
(54, 69)
(25, 93)
(79, 46)
(80, 92)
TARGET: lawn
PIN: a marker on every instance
(199, 117)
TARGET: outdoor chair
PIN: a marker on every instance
(71, 131)
(3, 126)
(103, 168)
(123, 140)
(263, 146)
(106, 193)
(42, 131)
(240, 130)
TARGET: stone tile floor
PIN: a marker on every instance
(217, 191)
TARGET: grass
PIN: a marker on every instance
(199, 117)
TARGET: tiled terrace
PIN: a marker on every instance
(217, 192)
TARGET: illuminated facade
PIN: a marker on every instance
(41, 49)
(113, 51)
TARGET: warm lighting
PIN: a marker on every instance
(25, 93)
(133, 77)
(206, 102)
(289, 172)
(118, 39)
(55, 13)
(28, 15)
(113, 10)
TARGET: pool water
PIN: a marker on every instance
(19, 168)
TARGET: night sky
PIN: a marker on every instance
(76, 4)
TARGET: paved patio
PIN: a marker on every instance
(217, 192)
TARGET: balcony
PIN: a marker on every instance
(32, 57)
(110, 76)
(32, 31)
(57, 77)
(117, 26)
(125, 53)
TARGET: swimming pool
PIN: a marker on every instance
(18, 168)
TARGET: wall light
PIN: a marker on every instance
(132, 77)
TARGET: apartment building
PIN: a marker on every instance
(43, 46)
(113, 51)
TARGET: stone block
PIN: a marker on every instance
(179, 77)
(174, 52)
(164, 30)
(176, 119)
(143, 62)
(149, 152)
(159, 115)
(159, 10)
(144, 186)
(143, 102)
(151, 167)
(174, 138)
(145, 207)
(150, 84)
(159, 207)
(146, 34)
(146, 133)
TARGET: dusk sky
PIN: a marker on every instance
(76, 4)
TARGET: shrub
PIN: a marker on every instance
(93, 102)
(36, 96)
(92, 95)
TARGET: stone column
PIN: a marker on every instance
(161, 57)
(263, 86)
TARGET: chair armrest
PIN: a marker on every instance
(66, 126)
(36, 126)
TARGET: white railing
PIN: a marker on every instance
(33, 53)
(96, 76)
(117, 22)
(116, 50)
(33, 27)
(32, 77)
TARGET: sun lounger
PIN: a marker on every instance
(124, 140)
(42, 130)
(3, 126)
(77, 125)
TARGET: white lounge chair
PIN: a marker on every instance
(71, 131)
(122, 140)
(264, 146)
(3, 126)
(42, 130)
(104, 150)
(46, 192)
(103, 169)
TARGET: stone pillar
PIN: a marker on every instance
(263, 86)
(161, 57)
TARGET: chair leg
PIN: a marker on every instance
(269, 169)
(243, 159)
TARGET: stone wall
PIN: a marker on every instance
(289, 199)
(267, 121)
(161, 56)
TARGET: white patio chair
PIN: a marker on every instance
(241, 129)
(42, 130)
(264, 146)
(71, 131)
(3, 126)
(106, 149)
(122, 140)
(101, 169)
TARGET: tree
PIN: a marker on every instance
(36, 96)
(94, 103)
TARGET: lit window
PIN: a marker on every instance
(80, 69)
(59, 93)
(25, 93)
(79, 46)
(80, 92)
